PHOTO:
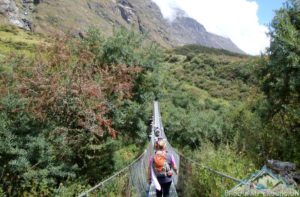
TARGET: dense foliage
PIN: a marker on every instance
(202, 182)
(63, 110)
(203, 94)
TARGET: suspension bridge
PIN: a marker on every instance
(138, 169)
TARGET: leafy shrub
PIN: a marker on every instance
(31, 164)
(226, 159)
(125, 47)
(173, 59)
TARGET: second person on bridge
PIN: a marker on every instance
(162, 163)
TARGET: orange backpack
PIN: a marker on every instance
(160, 164)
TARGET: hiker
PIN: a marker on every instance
(157, 132)
(156, 137)
(162, 163)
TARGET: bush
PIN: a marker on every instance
(226, 159)
(124, 47)
(31, 163)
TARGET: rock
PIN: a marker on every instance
(80, 34)
(127, 11)
(142, 28)
(186, 30)
(27, 24)
(281, 165)
(6, 6)
(9, 9)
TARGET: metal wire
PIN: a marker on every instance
(112, 177)
(210, 169)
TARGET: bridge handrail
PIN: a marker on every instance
(85, 193)
(210, 169)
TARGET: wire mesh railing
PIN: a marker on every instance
(138, 169)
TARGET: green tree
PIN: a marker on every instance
(281, 81)
(130, 48)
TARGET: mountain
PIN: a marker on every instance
(186, 30)
(77, 16)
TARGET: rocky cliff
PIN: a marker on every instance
(140, 15)
(186, 30)
(11, 13)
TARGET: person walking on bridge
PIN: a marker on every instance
(162, 163)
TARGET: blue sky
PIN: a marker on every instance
(266, 10)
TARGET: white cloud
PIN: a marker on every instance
(235, 19)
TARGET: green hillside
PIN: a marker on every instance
(13, 39)
(78, 16)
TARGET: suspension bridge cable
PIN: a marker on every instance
(210, 169)
(156, 124)
(83, 194)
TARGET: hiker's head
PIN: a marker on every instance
(161, 144)
(156, 132)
